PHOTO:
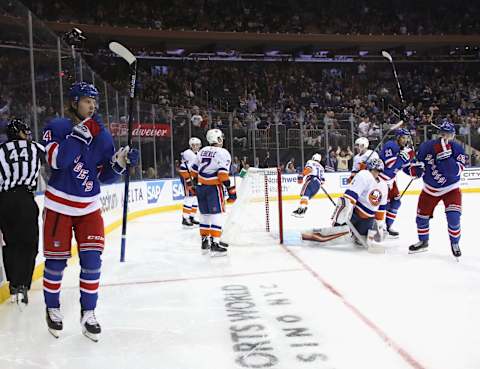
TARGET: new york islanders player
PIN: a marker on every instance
(212, 168)
(396, 156)
(444, 161)
(363, 205)
(81, 154)
(190, 203)
(363, 155)
(313, 176)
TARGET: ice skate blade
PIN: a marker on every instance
(217, 254)
(417, 251)
(298, 215)
(54, 332)
(91, 336)
(393, 237)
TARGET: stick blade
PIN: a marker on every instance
(386, 55)
(123, 52)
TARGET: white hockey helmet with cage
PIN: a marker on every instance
(317, 157)
(362, 142)
(215, 136)
(375, 164)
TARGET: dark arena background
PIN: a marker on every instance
(282, 80)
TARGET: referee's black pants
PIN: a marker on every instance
(19, 225)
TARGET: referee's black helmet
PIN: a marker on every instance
(15, 126)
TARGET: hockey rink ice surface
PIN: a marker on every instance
(266, 306)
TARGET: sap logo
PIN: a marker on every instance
(344, 181)
(154, 189)
(177, 190)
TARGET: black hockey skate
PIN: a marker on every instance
(456, 250)
(194, 221)
(420, 246)
(186, 223)
(90, 327)
(54, 321)
(218, 249)
(205, 245)
(392, 233)
(299, 213)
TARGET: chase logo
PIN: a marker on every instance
(177, 190)
(344, 181)
(154, 189)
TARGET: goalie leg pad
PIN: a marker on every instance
(328, 234)
(343, 211)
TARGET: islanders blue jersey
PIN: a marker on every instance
(76, 168)
(441, 176)
(392, 160)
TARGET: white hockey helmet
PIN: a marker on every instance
(317, 157)
(362, 142)
(215, 136)
(195, 143)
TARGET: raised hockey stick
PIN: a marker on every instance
(387, 56)
(127, 55)
(328, 195)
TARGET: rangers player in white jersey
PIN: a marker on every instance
(362, 208)
(190, 203)
(212, 168)
(313, 176)
(363, 155)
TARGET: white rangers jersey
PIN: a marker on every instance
(362, 158)
(212, 165)
(314, 169)
(369, 195)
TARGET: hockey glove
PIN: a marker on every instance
(232, 194)
(86, 130)
(123, 156)
(405, 155)
(300, 179)
(191, 191)
(417, 169)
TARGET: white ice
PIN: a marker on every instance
(302, 305)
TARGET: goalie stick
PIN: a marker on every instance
(126, 55)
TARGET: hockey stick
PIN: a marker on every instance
(328, 195)
(387, 56)
(127, 55)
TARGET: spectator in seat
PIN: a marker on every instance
(343, 159)
(290, 167)
(364, 127)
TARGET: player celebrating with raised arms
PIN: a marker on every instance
(190, 203)
(313, 176)
(81, 154)
(396, 156)
(212, 168)
(444, 161)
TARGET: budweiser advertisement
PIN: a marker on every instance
(141, 129)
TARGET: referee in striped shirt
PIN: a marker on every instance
(20, 161)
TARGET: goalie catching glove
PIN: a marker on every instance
(124, 156)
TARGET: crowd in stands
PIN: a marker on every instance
(265, 96)
(295, 16)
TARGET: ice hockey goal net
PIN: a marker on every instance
(256, 216)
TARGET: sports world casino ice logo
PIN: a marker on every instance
(154, 189)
